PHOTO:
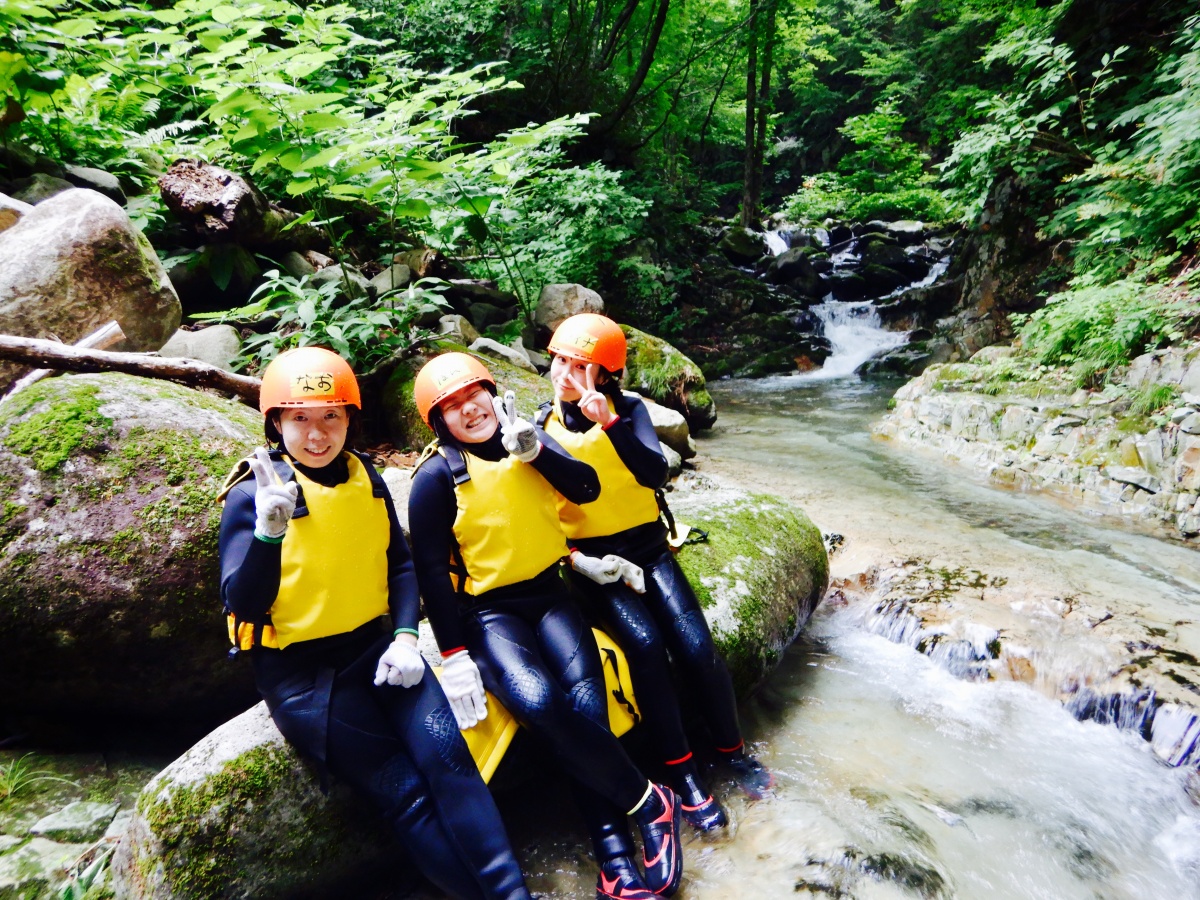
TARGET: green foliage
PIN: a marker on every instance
(1093, 327)
(884, 177)
(18, 776)
(1151, 398)
(299, 313)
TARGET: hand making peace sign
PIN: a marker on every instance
(592, 403)
(517, 435)
(274, 503)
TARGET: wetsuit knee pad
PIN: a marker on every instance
(529, 694)
(398, 788)
(695, 640)
(451, 746)
(588, 698)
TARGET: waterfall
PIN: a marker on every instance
(855, 334)
(776, 242)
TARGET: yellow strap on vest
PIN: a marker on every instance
(489, 740)
(333, 572)
(507, 524)
(622, 504)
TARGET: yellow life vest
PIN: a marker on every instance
(489, 740)
(506, 525)
(623, 503)
(333, 567)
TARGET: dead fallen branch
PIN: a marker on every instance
(190, 372)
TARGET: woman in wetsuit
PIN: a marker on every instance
(488, 549)
(612, 432)
(312, 560)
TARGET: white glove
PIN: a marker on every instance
(464, 689)
(518, 436)
(632, 576)
(274, 503)
(601, 571)
(401, 664)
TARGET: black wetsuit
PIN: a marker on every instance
(531, 643)
(667, 617)
(400, 746)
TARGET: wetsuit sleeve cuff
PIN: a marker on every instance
(411, 631)
(267, 540)
(611, 422)
(446, 654)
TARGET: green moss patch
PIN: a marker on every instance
(72, 423)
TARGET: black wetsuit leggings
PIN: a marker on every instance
(402, 747)
(539, 657)
(646, 626)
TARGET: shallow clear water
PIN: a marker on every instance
(895, 779)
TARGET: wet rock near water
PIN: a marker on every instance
(1099, 664)
(1032, 429)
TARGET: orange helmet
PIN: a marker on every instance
(590, 338)
(308, 376)
(445, 374)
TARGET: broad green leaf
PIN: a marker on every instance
(226, 14)
(323, 121)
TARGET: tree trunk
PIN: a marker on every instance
(221, 206)
(191, 372)
(749, 202)
(763, 102)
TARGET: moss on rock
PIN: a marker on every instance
(108, 546)
(758, 576)
(658, 370)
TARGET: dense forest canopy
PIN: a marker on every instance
(582, 140)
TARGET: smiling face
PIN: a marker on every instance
(314, 435)
(468, 414)
(563, 370)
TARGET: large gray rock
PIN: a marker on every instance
(672, 429)
(40, 187)
(487, 347)
(217, 345)
(742, 246)
(109, 579)
(97, 180)
(30, 871)
(457, 328)
(74, 263)
(240, 815)
(394, 277)
(80, 822)
(657, 370)
(560, 301)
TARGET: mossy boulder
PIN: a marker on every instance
(109, 579)
(758, 576)
(402, 421)
(657, 370)
(242, 815)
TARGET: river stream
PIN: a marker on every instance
(895, 778)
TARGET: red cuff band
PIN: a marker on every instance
(611, 422)
(446, 654)
(682, 759)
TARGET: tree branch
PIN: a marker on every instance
(190, 372)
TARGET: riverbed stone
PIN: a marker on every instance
(109, 578)
(77, 822)
(29, 872)
(656, 369)
(671, 428)
(97, 180)
(495, 350)
(76, 262)
(241, 814)
(742, 246)
(217, 345)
